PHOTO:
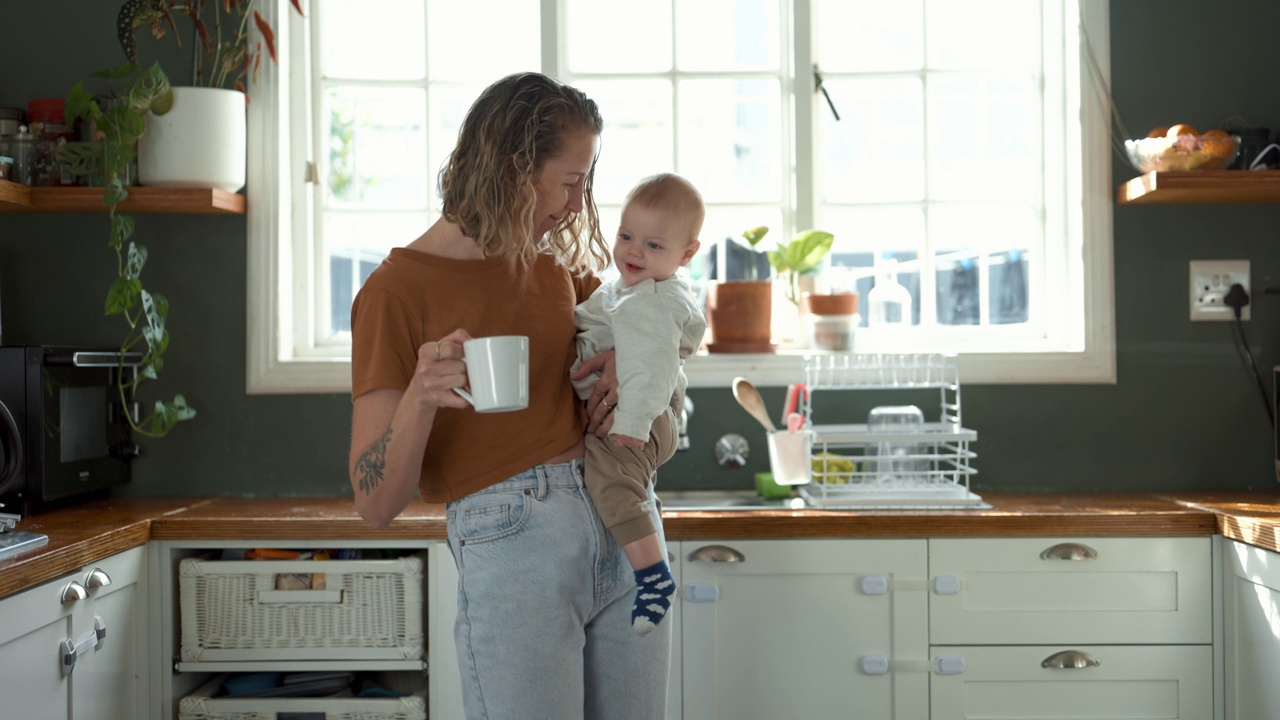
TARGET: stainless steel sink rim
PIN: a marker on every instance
(746, 500)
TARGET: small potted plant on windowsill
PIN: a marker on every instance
(740, 312)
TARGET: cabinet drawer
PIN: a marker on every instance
(1127, 682)
(1070, 590)
(41, 605)
(236, 610)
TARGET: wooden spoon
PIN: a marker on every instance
(749, 398)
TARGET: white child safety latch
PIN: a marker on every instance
(874, 584)
(946, 585)
(92, 640)
(701, 592)
(875, 664)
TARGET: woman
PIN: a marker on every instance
(544, 593)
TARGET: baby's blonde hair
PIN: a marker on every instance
(670, 193)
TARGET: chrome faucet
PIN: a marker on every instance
(682, 425)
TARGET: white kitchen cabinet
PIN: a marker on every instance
(76, 647)
(804, 628)
(1071, 628)
(1251, 638)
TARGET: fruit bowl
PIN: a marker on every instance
(1214, 150)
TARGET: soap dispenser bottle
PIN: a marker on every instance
(889, 304)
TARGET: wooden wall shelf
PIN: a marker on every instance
(1202, 187)
(15, 198)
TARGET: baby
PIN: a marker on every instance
(651, 317)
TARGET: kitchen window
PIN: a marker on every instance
(971, 156)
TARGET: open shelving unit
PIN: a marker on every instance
(16, 198)
(1202, 187)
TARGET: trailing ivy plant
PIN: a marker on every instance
(120, 119)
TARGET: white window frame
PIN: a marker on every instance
(278, 229)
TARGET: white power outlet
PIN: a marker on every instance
(1210, 281)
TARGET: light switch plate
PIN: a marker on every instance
(1210, 281)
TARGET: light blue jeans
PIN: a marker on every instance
(544, 606)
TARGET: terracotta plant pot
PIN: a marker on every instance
(831, 319)
(836, 304)
(740, 316)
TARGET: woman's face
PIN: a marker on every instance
(559, 182)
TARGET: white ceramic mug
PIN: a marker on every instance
(497, 372)
(789, 457)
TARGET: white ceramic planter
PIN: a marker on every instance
(199, 143)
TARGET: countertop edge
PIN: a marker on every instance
(84, 534)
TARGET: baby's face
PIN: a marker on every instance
(651, 245)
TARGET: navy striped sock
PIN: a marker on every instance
(653, 597)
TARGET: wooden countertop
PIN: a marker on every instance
(85, 533)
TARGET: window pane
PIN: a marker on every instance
(984, 34)
(728, 35)
(449, 104)
(864, 234)
(958, 288)
(984, 138)
(874, 152)
(995, 228)
(511, 25)
(961, 237)
(724, 226)
(376, 144)
(349, 30)
(873, 229)
(354, 244)
(638, 138)
(1009, 292)
(731, 139)
(607, 36)
(869, 35)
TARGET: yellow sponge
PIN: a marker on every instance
(833, 469)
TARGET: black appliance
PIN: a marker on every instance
(63, 433)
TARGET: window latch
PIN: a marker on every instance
(817, 85)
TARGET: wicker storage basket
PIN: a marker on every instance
(369, 610)
(203, 706)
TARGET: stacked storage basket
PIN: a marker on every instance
(232, 611)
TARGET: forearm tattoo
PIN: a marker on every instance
(371, 464)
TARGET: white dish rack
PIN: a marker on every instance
(856, 467)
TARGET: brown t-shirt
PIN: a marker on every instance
(413, 298)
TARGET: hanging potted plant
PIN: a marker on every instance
(201, 141)
(119, 122)
(740, 312)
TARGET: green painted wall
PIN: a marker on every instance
(1185, 413)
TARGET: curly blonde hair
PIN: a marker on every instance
(487, 187)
